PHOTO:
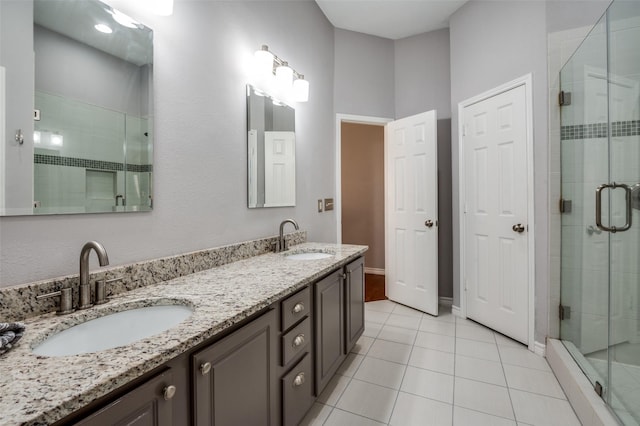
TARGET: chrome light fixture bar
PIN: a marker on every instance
(287, 78)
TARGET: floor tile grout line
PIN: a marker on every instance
(513, 410)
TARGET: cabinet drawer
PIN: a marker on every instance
(296, 341)
(296, 392)
(295, 307)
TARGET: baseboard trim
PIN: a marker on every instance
(373, 271)
(446, 301)
(455, 310)
(540, 348)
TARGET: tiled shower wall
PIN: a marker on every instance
(93, 145)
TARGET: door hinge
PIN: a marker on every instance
(598, 388)
(564, 98)
(565, 206)
(564, 312)
(464, 130)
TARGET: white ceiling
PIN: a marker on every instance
(392, 19)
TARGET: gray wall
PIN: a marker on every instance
(422, 83)
(200, 182)
(422, 74)
(16, 50)
(364, 75)
(493, 42)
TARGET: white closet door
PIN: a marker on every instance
(496, 213)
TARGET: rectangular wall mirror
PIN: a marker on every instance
(91, 144)
(271, 151)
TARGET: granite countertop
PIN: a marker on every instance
(39, 390)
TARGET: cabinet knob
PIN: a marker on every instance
(169, 392)
(298, 307)
(299, 380)
(205, 368)
(299, 340)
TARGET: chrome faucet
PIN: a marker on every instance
(282, 243)
(85, 289)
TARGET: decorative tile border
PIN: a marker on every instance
(55, 160)
(600, 130)
(19, 302)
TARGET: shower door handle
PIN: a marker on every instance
(627, 197)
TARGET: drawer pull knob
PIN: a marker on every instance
(205, 368)
(299, 380)
(169, 392)
(298, 307)
(298, 341)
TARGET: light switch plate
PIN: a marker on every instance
(319, 206)
(328, 204)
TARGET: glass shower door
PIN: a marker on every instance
(585, 166)
(624, 165)
(600, 275)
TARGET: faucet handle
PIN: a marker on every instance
(101, 290)
(276, 246)
(66, 300)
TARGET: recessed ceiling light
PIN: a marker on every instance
(103, 28)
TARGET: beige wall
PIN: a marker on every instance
(363, 189)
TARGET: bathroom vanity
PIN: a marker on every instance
(266, 335)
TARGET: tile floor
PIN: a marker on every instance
(411, 368)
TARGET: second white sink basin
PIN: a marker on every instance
(110, 331)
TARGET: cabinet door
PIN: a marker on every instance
(329, 314)
(149, 404)
(354, 303)
(234, 379)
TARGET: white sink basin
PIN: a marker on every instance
(314, 255)
(110, 331)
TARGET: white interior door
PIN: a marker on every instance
(496, 213)
(279, 169)
(411, 212)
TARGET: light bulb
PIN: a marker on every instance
(301, 90)
(284, 76)
(264, 62)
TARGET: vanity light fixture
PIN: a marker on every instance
(289, 82)
(301, 89)
(163, 7)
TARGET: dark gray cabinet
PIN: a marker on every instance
(265, 372)
(329, 321)
(354, 303)
(339, 318)
(234, 379)
(150, 404)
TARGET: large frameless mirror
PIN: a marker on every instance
(91, 145)
(271, 151)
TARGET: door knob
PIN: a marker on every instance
(519, 228)
(428, 223)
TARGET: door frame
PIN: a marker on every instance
(349, 118)
(527, 82)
